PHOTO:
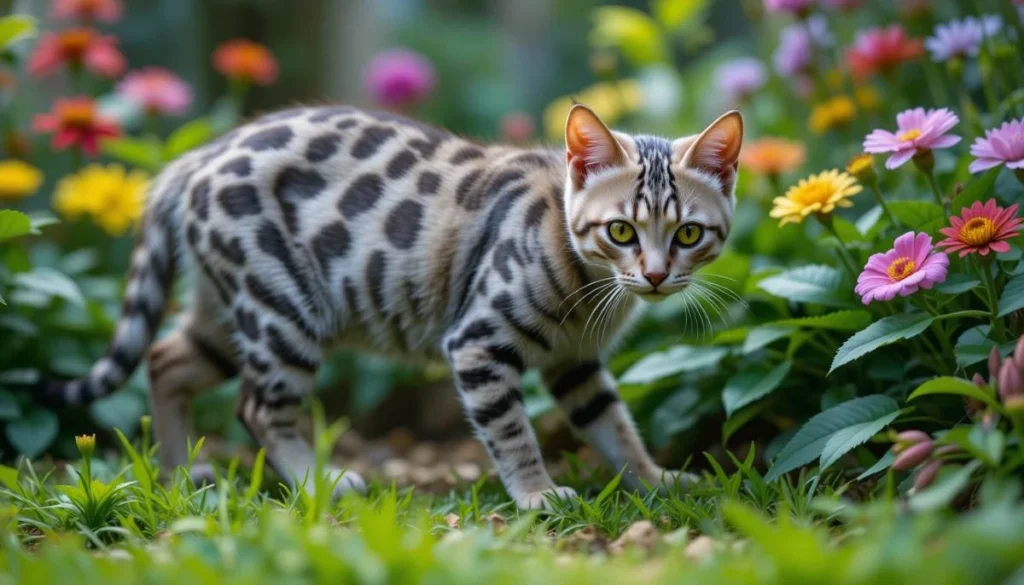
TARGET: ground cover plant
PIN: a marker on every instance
(848, 378)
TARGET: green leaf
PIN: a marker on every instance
(1012, 298)
(188, 136)
(941, 494)
(13, 224)
(919, 216)
(810, 441)
(33, 433)
(675, 360)
(751, 384)
(977, 190)
(851, 320)
(52, 283)
(9, 407)
(764, 335)
(984, 444)
(141, 152)
(953, 386)
(810, 284)
(881, 333)
(884, 462)
(957, 284)
(9, 477)
(852, 437)
(14, 28)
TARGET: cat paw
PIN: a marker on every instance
(202, 474)
(348, 482)
(542, 500)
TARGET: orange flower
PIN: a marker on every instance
(105, 10)
(75, 122)
(772, 156)
(246, 61)
(882, 50)
(75, 48)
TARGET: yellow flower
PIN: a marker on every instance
(772, 156)
(18, 180)
(868, 98)
(819, 193)
(862, 167)
(610, 100)
(111, 196)
(837, 111)
(635, 34)
(86, 445)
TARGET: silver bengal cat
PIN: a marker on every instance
(313, 227)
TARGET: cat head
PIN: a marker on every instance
(650, 210)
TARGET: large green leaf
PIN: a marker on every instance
(852, 320)
(13, 224)
(810, 441)
(32, 433)
(675, 360)
(145, 153)
(957, 284)
(986, 445)
(764, 335)
(881, 333)
(810, 284)
(977, 190)
(52, 283)
(14, 28)
(1012, 298)
(750, 384)
(844, 441)
(922, 216)
(953, 386)
(188, 136)
(973, 346)
(941, 493)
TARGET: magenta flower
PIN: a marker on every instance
(794, 56)
(794, 6)
(399, 78)
(919, 131)
(909, 266)
(740, 78)
(981, 229)
(1000, 146)
(157, 90)
(961, 38)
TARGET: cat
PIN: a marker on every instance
(313, 227)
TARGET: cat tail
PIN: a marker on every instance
(148, 290)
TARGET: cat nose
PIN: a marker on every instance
(655, 278)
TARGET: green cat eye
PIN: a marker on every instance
(689, 234)
(621, 232)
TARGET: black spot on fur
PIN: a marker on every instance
(201, 199)
(230, 250)
(462, 192)
(346, 124)
(504, 253)
(428, 183)
(228, 280)
(294, 185)
(507, 354)
(376, 268)
(427, 147)
(471, 379)
(279, 303)
(322, 147)
(400, 164)
(535, 213)
(361, 196)
(573, 379)
(351, 297)
(271, 241)
(489, 413)
(332, 242)
(240, 165)
(474, 198)
(584, 415)
(247, 323)
(475, 331)
(466, 154)
(284, 350)
(240, 200)
(505, 306)
(404, 224)
(193, 235)
(273, 138)
(371, 140)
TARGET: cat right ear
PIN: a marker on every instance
(589, 145)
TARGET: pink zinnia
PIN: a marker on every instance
(75, 48)
(157, 90)
(1000, 146)
(399, 77)
(794, 6)
(105, 10)
(982, 228)
(909, 266)
(76, 122)
(919, 131)
(881, 50)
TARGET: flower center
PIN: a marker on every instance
(815, 192)
(250, 59)
(901, 268)
(73, 43)
(977, 231)
(78, 115)
(909, 135)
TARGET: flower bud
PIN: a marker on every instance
(924, 160)
(1018, 353)
(862, 167)
(995, 360)
(926, 475)
(86, 445)
(1010, 381)
(913, 456)
(908, 438)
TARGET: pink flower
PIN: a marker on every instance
(105, 10)
(794, 6)
(843, 4)
(517, 127)
(76, 122)
(399, 77)
(981, 228)
(909, 266)
(157, 90)
(75, 48)
(1003, 145)
(881, 50)
(920, 130)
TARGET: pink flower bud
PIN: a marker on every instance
(908, 438)
(994, 361)
(913, 456)
(1010, 381)
(926, 475)
(1018, 353)
(979, 381)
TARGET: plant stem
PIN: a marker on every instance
(843, 252)
(993, 302)
(885, 208)
(930, 175)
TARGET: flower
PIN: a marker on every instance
(867, 97)
(399, 78)
(75, 48)
(772, 156)
(517, 127)
(961, 38)
(611, 100)
(105, 10)
(86, 445)
(881, 50)
(157, 90)
(18, 180)
(832, 113)
(795, 54)
(245, 61)
(819, 193)
(799, 7)
(740, 78)
(920, 131)
(75, 122)
(909, 266)
(110, 195)
(981, 228)
(1003, 145)
(862, 167)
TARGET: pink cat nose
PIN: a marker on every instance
(655, 278)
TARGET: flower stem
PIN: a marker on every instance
(930, 175)
(993, 302)
(843, 252)
(885, 208)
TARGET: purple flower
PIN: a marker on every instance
(920, 131)
(909, 266)
(795, 54)
(399, 77)
(740, 78)
(794, 6)
(1000, 146)
(961, 38)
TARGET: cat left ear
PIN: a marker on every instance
(716, 151)
(589, 145)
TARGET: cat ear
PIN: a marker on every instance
(715, 151)
(589, 145)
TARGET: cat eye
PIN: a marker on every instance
(621, 233)
(689, 235)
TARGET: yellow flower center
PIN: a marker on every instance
(977, 231)
(74, 42)
(859, 164)
(814, 192)
(79, 115)
(909, 135)
(901, 268)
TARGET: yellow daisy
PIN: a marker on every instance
(111, 196)
(18, 180)
(819, 193)
(833, 113)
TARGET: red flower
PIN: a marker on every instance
(75, 122)
(246, 61)
(88, 10)
(981, 229)
(77, 47)
(882, 50)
